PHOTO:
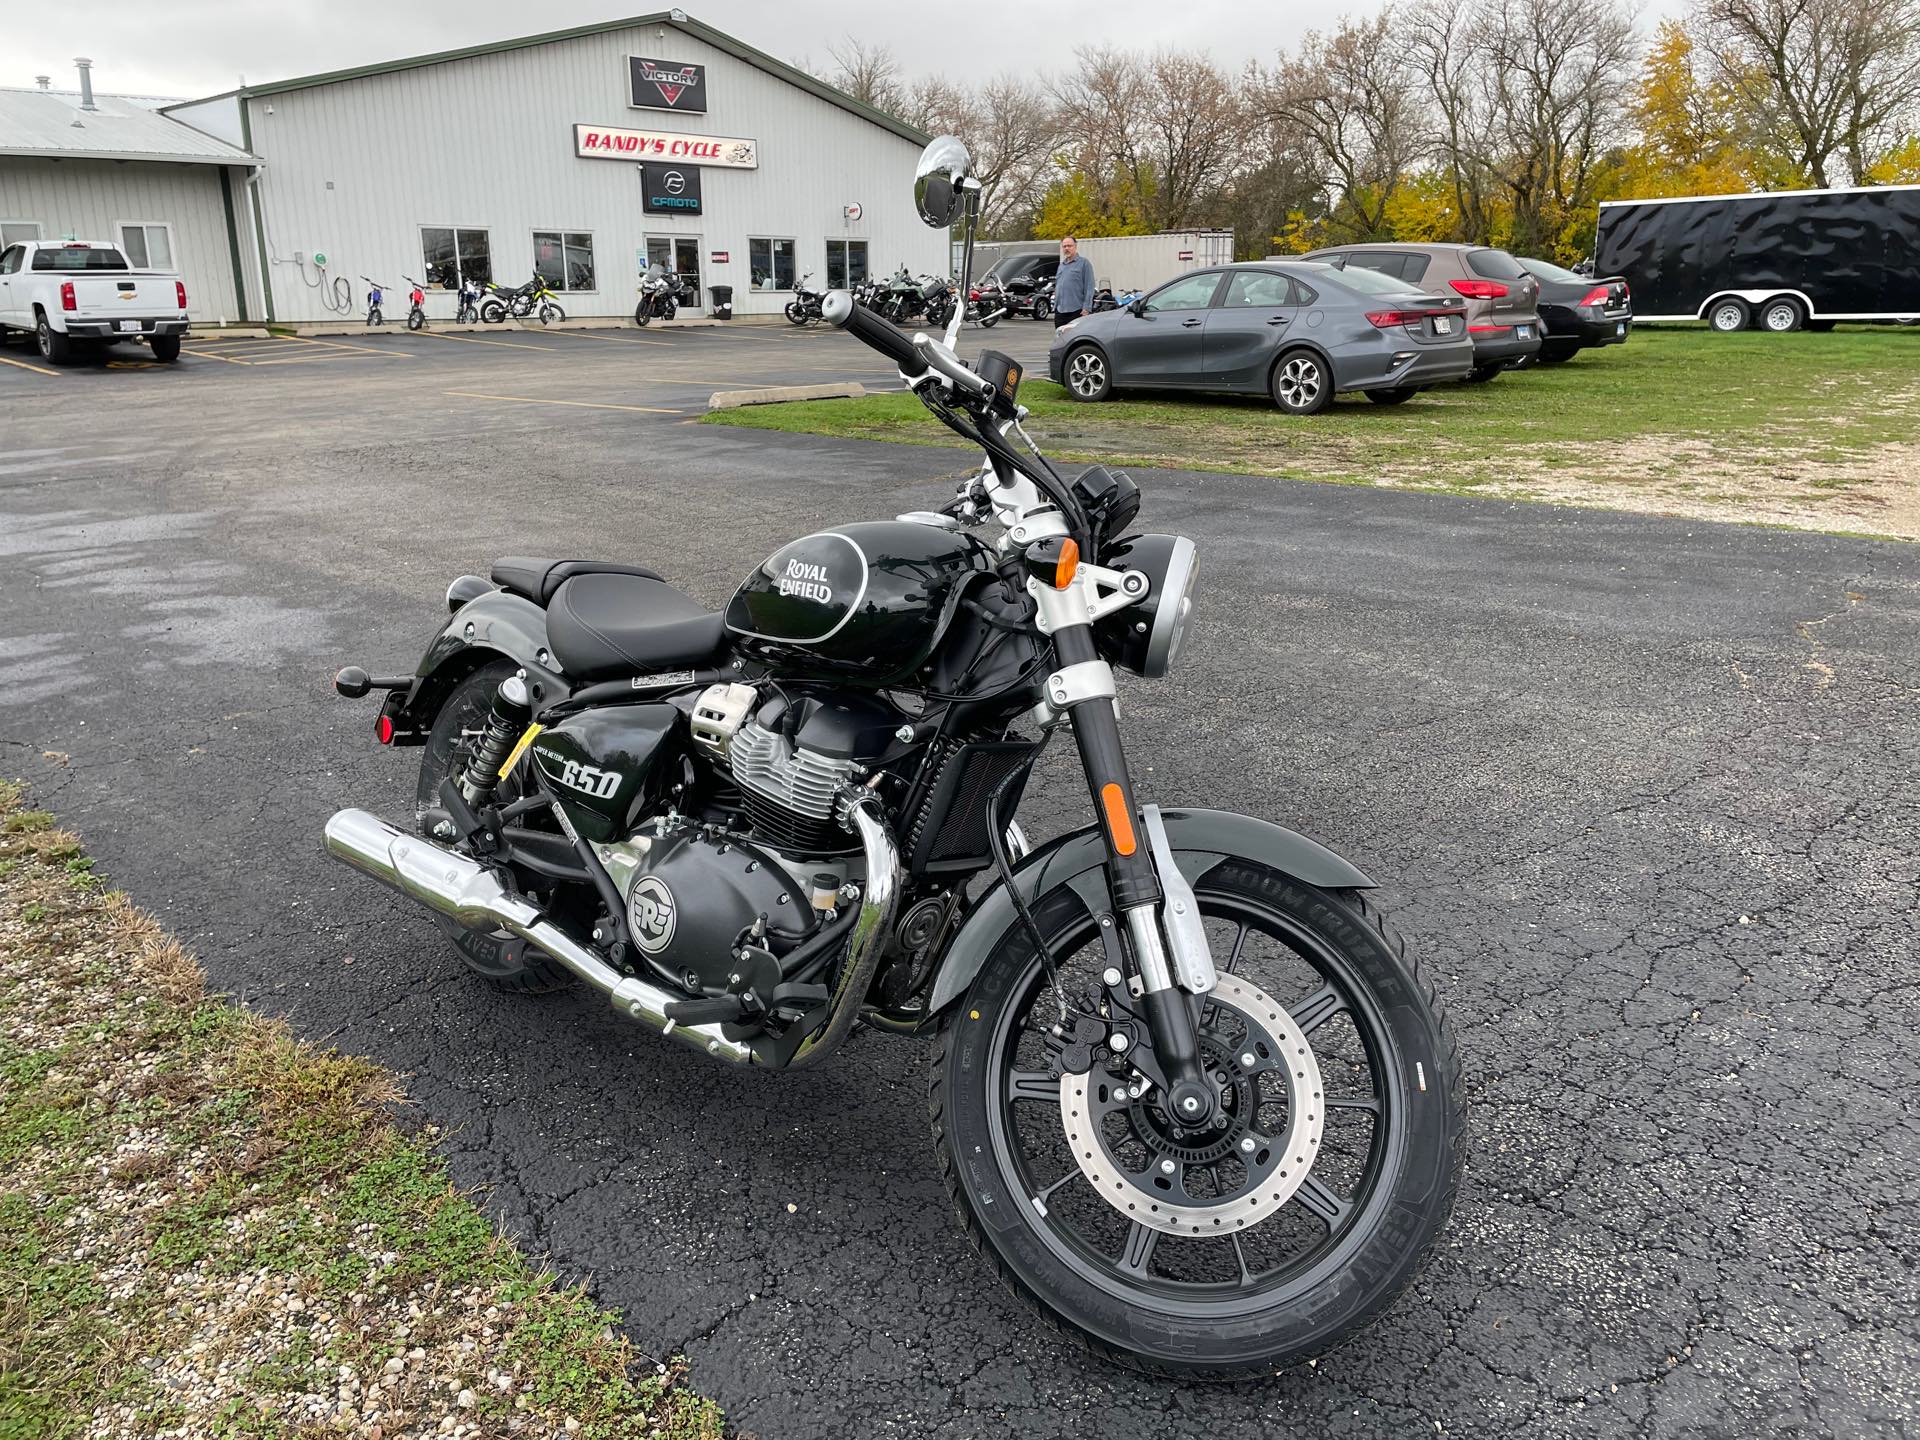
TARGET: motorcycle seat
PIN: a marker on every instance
(536, 580)
(605, 625)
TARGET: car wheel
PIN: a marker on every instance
(1301, 384)
(1557, 354)
(54, 345)
(1782, 315)
(1729, 315)
(1393, 397)
(1481, 374)
(166, 348)
(1043, 310)
(1088, 377)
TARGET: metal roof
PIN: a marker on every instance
(50, 123)
(676, 18)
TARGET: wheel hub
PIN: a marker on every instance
(1247, 1174)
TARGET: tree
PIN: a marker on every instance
(868, 73)
(1830, 82)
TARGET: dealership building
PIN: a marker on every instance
(579, 155)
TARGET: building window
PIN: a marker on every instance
(148, 247)
(18, 232)
(453, 255)
(846, 263)
(771, 263)
(564, 259)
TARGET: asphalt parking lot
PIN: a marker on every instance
(1641, 788)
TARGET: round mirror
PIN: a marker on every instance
(938, 185)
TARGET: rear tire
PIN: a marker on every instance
(504, 961)
(1782, 315)
(1301, 383)
(1393, 397)
(55, 346)
(1729, 315)
(1043, 309)
(166, 348)
(1557, 354)
(1173, 1303)
(493, 312)
(1481, 374)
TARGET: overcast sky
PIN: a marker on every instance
(189, 48)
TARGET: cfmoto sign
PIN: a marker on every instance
(670, 189)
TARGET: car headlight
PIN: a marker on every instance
(1146, 638)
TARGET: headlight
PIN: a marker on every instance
(1146, 638)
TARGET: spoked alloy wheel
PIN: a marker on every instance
(1300, 385)
(1087, 374)
(1270, 1233)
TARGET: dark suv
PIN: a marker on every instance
(1501, 296)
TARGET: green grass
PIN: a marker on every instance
(1671, 407)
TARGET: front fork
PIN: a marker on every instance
(1083, 688)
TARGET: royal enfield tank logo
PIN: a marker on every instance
(667, 85)
(807, 580)
(587, 779)
(651, 913)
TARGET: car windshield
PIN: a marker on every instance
(1546, 270)
(1372, 282)
(80, 257)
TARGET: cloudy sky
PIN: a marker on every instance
(199, 47)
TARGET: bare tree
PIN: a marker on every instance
(868, 73)
(1351, 97)
(1444, 51)
(1011, 128)
(1827, 80)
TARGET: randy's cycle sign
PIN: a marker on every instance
(608, 142)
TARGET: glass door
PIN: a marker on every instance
(680, 254)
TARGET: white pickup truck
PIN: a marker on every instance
(70, 292)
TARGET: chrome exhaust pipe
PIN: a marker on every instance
(472, 896)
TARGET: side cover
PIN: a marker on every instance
(1200, 839)
(610, 765)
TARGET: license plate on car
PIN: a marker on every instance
(133, 325)
(1526, 331)
(1443, 324)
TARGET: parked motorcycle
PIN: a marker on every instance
(532, 300)
(416, 304)
(986, 303)
(468, 311)
(1189, 1092)
(659, 296)
(804, 308)
(376, 301)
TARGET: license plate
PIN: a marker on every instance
(133, 325)
(1443, 325)
(1525, 331)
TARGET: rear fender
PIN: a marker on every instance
(498, 625)
(1200, 840)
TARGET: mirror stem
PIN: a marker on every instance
(972, 221)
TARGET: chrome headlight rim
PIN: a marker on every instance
(1172, 600)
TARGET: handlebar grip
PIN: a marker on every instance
(843, 312)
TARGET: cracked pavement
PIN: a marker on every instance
(1641, 790)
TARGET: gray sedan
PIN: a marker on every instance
(1296, 330)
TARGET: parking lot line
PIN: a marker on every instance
(476, 340)
(340, 345)
(36, 369)
(577, 404)
(214, 355)
(616, 339)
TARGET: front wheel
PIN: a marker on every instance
(1087, 375)
(1043, 309)
(1301, 384)
(1289, 1221)
(416, 318)
(796, 313)
(643, 314)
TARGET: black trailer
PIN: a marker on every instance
(1778, 261)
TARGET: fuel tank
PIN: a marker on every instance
(865, 603)
(610, 766)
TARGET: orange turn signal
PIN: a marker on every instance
(1119, 823)
(1069, 563)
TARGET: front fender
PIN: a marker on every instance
(1200, 839)
(498, 624)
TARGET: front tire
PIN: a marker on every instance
(416, 319)
(1300, 383)
(643, 315)
(503, 960)
(1043, 309)
(1224, 1289)
(1088, 375)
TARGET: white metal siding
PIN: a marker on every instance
(487, 142)
(91, 199)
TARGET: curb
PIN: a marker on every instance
(780, 394)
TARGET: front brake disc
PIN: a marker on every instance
(1269, 1169)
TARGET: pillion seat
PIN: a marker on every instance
(606, 624)
(536, 580)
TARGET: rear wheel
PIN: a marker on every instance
(1557, 354)
(1043, 309)
(1782, 315)
(1087, 374)
(1481, 374)
(1290, 1220)
(502, 959)
(493, 312)
(1300, 384)
(54, 345)
(1393, 397)
(1729, 315)
(166, 348)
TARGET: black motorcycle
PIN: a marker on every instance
(804, 308)
(659, 296)
(1189, 1092)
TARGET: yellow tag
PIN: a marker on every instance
(520, 748)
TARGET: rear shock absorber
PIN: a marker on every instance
(509, 718)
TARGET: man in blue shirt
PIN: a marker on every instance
(1072, 285)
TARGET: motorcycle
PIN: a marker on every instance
(986, 303)
(804, 308)
(531, 300)
(659, 296)
(416, 304)
(1188, 1090)
(468, 311)
(376, 301)
(899, 298)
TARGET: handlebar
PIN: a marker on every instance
(843, 312)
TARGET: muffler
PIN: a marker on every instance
(471, 895)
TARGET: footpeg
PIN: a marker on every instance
(721, 1009)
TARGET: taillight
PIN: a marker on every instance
(1386, 319)
(1596, 296)
(1480, 289)
(67, 302)
(180, 292)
